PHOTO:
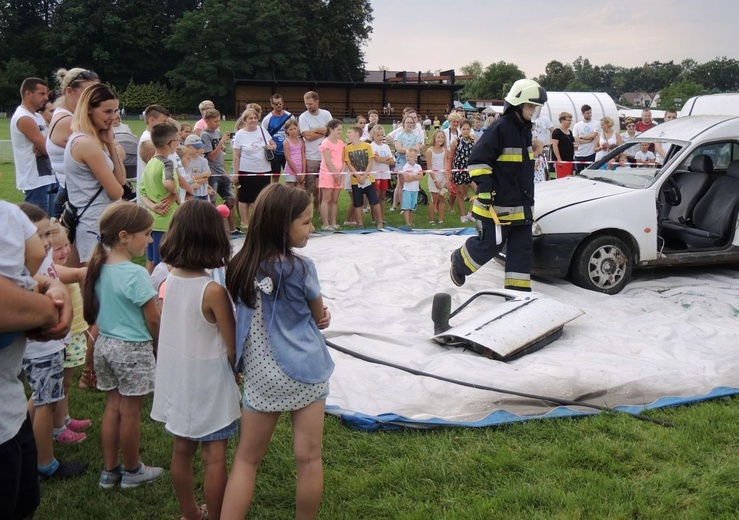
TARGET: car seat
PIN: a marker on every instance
(692, 185)
(714, 216)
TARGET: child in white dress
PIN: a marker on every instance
(196, 396)
(436, 158)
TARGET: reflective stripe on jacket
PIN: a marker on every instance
(502, 162)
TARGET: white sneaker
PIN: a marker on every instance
(144, 475)
(463, 218)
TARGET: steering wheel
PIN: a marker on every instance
(673, 197)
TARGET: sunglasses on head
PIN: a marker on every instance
(85, 75)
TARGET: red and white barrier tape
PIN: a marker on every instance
(453, 170)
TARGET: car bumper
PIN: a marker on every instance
(552, 254)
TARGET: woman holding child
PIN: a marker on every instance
(93, 164)
(608, 140)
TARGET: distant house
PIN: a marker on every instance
(640, 99)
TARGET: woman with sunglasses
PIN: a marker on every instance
(70, 83)
(629, 134)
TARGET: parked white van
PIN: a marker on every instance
(711, 105)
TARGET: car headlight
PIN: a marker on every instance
(536, 229)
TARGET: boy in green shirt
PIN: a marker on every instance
(159, 187)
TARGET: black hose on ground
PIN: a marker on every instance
(555, 400)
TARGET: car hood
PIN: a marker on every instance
(560, 193)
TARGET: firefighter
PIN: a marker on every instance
(502, 165)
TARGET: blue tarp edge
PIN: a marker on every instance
(389, 421)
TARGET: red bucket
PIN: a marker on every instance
(563, 169)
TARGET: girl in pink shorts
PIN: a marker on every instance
(331, 178)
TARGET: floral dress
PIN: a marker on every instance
(461, 158)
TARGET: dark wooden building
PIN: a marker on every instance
(430, 95)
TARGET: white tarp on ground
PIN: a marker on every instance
(670, 333)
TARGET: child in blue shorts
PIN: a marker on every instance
(43, 364)
(412, 174)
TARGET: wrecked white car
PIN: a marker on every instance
(596, 227)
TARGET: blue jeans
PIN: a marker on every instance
(152, 250)
(42, 197)
(59, 200)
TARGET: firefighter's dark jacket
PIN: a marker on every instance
(502, 163)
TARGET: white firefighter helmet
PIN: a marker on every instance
(526, 91)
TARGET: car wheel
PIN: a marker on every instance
(603, 264)
(423, 199)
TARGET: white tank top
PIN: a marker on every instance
(195, 393)
(437, 160)
(26, 171)
(56, 152)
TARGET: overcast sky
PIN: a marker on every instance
(425, 35)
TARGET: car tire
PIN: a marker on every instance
(603, 264)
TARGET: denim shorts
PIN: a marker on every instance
(221, 184)
(152, 250)
(128, 366)
(45, 376)
(224, 433)
(43, 197)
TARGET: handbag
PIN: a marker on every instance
(268, 153)
(70, 218)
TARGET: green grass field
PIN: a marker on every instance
(604, 466)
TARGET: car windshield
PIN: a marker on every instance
(619, 167)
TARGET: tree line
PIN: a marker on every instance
(674, 82)
(181, 50)
(191, 47)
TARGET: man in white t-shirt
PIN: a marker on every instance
(312, 124)
(542, 129)
(585, 133)
(28, 137)
(153, 115)
(662, 148)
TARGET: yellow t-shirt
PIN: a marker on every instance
(78, 320)
(359, 156)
